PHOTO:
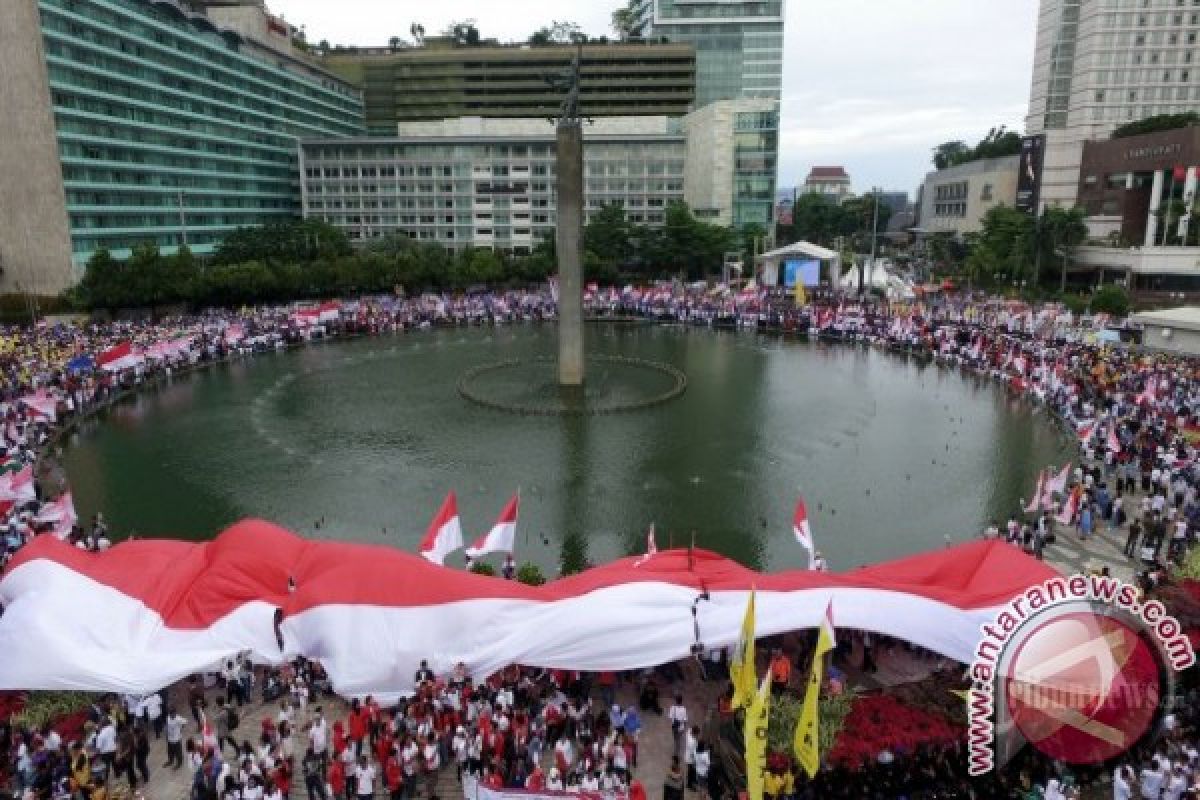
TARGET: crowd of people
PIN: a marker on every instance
(1134, 414)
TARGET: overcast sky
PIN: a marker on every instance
(869, 84)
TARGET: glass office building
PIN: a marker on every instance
(739, 56)
(739, 44)
(172, 130)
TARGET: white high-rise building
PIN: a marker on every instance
(1102, 63)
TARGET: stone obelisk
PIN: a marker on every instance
(569, 234)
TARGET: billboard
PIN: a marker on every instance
(1029, 175)
(807, 272)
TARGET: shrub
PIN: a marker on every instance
(483, 568)
(530, 574)
(1110, 300)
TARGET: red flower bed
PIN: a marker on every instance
(881, 722)
(11, 703)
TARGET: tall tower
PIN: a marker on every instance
(1099, 64)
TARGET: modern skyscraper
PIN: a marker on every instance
(739, 57)
(170, 129)
(1101, 63)
(739, 43)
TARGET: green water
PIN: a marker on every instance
(368, 435)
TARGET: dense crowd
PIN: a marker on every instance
(1135, 416)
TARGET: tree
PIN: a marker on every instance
(557, 33)
(1005, 246)
(417, 31)
(103, 281)
(625, 22)
(814, 219)
(395, 43)
(1111, 300)
(282, 242)
(686, 244)
(996, 143)
(608, 236)
(464, 33)
(947, 154)
(1061, 230)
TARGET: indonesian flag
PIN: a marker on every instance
(503, 535)
(17, 487)
(328, 312)
(1036, 503)
(120, 357)
(1056, 485)
(60, 515)
(371, 613)
(802, 531)
(1149, 394)
(445, 532)
(1114, 443)
(1068, 510)
(651, 547)
(42, 403)
(307, 317)
(1085, 432)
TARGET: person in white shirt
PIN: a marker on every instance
(1123, 783)
(690, 740)
(106, 743)
(1176, 785)
(703, 765)
(364, 779)
(1151, 781)
(678, 716)
(318, 733)
(173, 728)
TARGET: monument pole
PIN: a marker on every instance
(569, 233)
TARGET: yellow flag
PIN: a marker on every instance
(741, 667)
(807, 746)
(757, 717)
(801, 295)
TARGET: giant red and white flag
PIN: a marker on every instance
(372, 613)
(803, 531)
(445, 532)
(503, 535)
(17, 487)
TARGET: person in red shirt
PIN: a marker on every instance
(339, 738)
(536, 781)
(393, 776)
(281, 776)
(358, 726)
(636, 790)
(337, 778)
(494, 779)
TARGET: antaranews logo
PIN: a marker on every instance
(1080, 667)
